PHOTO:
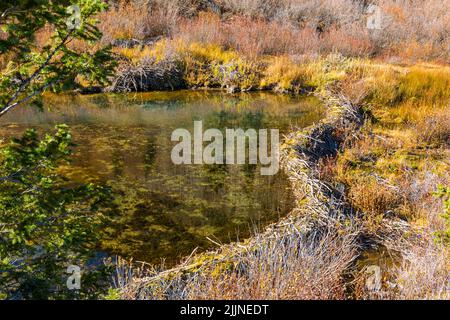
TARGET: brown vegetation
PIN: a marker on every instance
(412, 30)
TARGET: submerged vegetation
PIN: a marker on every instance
(371, 176)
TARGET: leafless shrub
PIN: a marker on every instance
(416, 29)
(422, 271)
(321, 14)
(207, 28)
(350, 40)
(139, 20)
(409, 29)
(434, 130)
(256, 37)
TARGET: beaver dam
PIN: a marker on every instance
(165, 211)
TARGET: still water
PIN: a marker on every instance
(165, 210)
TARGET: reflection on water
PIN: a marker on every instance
(167, 210)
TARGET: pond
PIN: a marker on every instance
(166, 210)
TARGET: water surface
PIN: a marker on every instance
(167, 210)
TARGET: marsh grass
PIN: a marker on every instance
(394, 170)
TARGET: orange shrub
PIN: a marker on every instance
(130, 20)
